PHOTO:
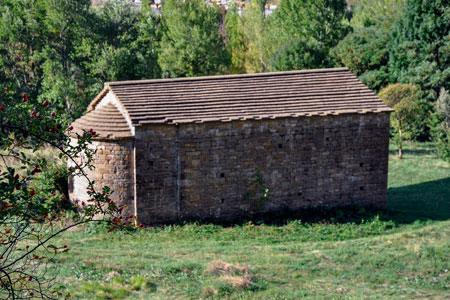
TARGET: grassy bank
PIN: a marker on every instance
(403, 253)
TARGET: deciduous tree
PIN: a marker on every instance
(191, 43)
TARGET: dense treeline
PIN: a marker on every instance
(65, 49)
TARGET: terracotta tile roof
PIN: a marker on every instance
(241, 97)
(107, 121)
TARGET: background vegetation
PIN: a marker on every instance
(63, 50)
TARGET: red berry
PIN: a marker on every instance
(53, 114)
(2, 107)
(38, 116)
(16, 177)
(32, 192)
(27, 246)
(63, 198)
(65, 246)
(25, 97)
(30, 278)
(71, 128)
(57, 172)
(36, 256)
(7, 90)
(46, 103)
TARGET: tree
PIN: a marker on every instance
(419, 46)
(126, 45)
(64, 49)
(253, 27)
(301, 33)
(367, 13)
(22, 38)
(191, 44)
(403, 99)
(364, 50)
(441, 130)
(28, 223)
(237, 43)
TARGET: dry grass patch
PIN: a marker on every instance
(237, 276)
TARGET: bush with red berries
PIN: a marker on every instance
(27, 222)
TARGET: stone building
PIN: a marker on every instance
(219, 147)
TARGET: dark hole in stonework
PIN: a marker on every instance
(299, 194)
(222, 174)
(183, 176)
(361, 188)
(222, 200)
(361, 164)
(327, 139)
(150, 163)
(280, 146)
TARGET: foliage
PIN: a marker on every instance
(128, 41)
(27, 214)
(22, 37)
(191, 43)
(364, 50)
(64, 49)
(302, 32)
(383, 13)
(441, 130)
(253, 26)
(236, 40)
(419, 46)
(403, 99)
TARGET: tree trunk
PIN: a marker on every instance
(400, 148)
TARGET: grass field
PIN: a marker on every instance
(403, 253)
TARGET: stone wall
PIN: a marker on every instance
(114, 165)
(222, 170)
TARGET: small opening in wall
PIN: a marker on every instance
(222, 200)
(361, 164)
(150, 163)
(222, 174)
(327, 139)
(299, 194)
(361, 188)
(280, 146)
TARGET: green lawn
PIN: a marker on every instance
(402, 254)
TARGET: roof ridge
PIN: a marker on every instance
(229, 76)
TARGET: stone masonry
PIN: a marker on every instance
(198, 171)
(114, 165)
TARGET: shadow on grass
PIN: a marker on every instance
(410, 150)
(423, 201)
(414, 152)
